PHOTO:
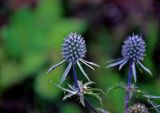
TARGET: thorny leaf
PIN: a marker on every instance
(85, 89)
(152, 96)
(64, 89)
(69, 95)
(155, 106)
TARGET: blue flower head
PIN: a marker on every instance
(73, 51)
(134, 48)
(74, 48)
(133, 51)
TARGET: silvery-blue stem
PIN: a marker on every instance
(75, 78)
(127, 88)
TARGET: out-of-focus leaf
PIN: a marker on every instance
(32, 63)
(48, 10)
(44, 88)
(10, 74)
(2, 57)
(152, 36)
(70, 108)
(117, 96)
(16, 33)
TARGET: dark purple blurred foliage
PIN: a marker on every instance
(4, 12)
(115, 14)
(7, 7)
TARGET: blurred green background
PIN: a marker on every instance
(31, 34)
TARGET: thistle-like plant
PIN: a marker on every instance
(133, 52)
(74, 51)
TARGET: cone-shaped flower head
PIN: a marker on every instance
(73, 51)
(133, 51)
(138, 108)
(134, 48)
(74, 47)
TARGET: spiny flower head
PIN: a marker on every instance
(134, 48)
(133, 52)
(74, 50)
(74, 47)
(138, 108)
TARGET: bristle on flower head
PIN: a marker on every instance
(74, 47)
(134, 48)
(138, 108)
